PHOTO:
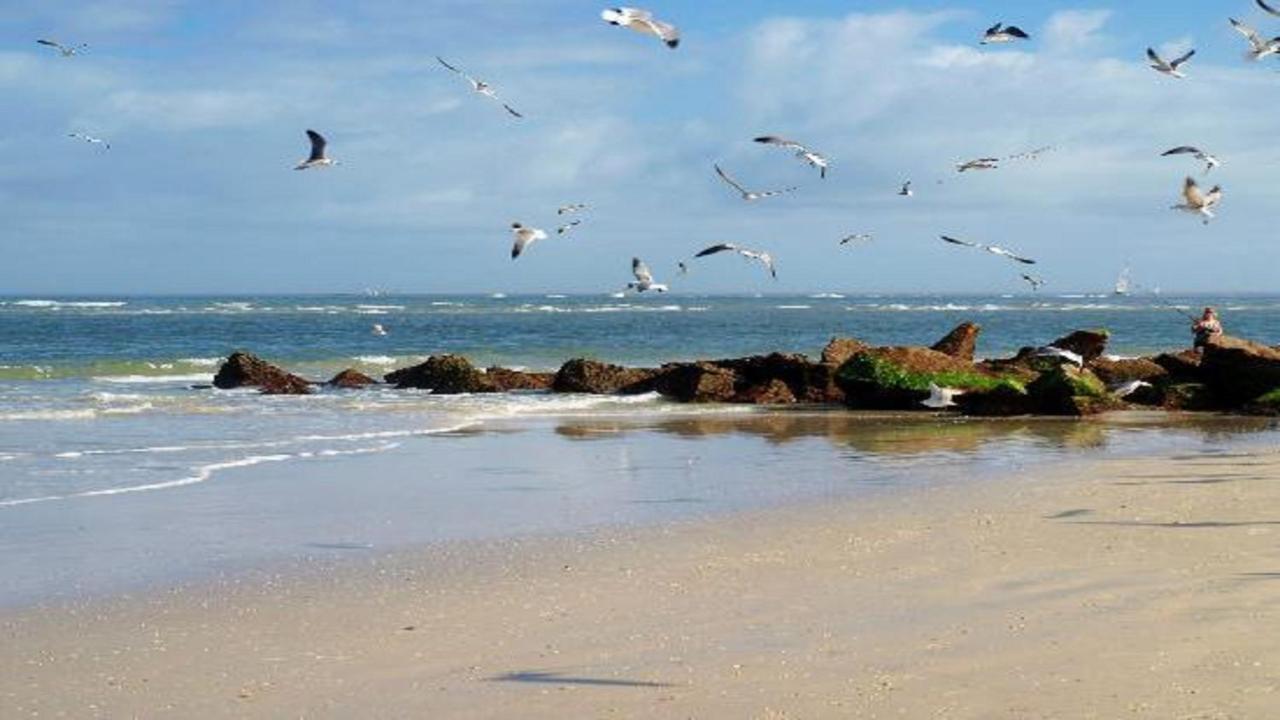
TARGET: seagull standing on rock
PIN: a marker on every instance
(1170, 68)
(317, 159)
(642, 21)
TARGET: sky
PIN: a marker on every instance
(205, 106)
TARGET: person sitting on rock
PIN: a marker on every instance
(1207, 328)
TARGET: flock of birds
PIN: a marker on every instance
(1194, 200)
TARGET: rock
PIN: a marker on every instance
(1005, 400)
(839, 350)
(1239, 371)
(808, 381)
(1267, 405)
(504, 380)
(442, 375)
(1188, 396)
(351, 379)
(590, 376)
(245, 370)
(898, 378)
(1182, 366)
(1088, 344)
(1068, 390)
(775, 392)
(1116, 372)
(961, 342)
(697, 382)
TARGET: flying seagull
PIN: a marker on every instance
(524, 237)
(642, 21)
(1001, 33)
(644, 278)
(1258, 48)
(378, 330)
(1124, 390)
(1210, 161)
(66, 50)
(906, 190)
(1199, 203)
(1035, 282)
(750, 195)
(762, 257)
(317, 157)
(568, 226)
(90, 139)
(979, 164)
(993, 249)
(815, 159)
(1050, 351)
(1268, 8)
(572, 208)
(859, 237)
(480, 87)
(1169, 68)
(941, 398)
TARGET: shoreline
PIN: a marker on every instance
(1105, 587)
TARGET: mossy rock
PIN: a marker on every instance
(1267, 404)
(1068, 390)
(899, 378)
(1008, 399)
(1190, 396)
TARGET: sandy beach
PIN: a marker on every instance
(1117, 588)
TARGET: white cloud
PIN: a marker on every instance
(1069, 30)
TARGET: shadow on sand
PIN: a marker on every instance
(555, 678)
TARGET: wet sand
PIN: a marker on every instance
(1102, 589)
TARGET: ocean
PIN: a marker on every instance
(99, 419)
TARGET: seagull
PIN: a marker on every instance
(644, 278)
(1258, 48)
(1169, 68)
(815, 159)
(859, 237)
(762, 257)
(66, 50)
(481, 87)
(1001, 33)
(1210, 161)
(573, 208)
(567, 227)
(524, 237)
(1124, 390)
(1268, 8)
(750, 195)
(906, 190)
(941, 398)
(993, 249)
(378, 330)
(317, 158)
(1050, 351)
(1035, 282)
(1199, 203)
(642, 21)
(90, 139)
(979, 164)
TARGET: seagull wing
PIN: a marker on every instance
(318, 144)
(994, 29)
(667, 32)
(641, 271)
(1191, 191)
(456, 70)
(1213, 197)
(1017, 32)
(783, 142)
(767, 260)
(1268, 8)
(1183, 59)
(722, 247)
(1249, 34)
(511, 110)
(997, 250)
(1151, 55)
(954, 241)
(51, 44)
(732, 183)
(1181, 150)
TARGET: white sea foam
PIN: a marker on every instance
(83, 414)
(56, 304)
(827, 296)
(376, 359)
(154, 379)
(383, 307)
(794, 307)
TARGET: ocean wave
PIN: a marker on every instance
(389, 307)
(827, 296)
(58, 304)
(376, 359)
(793, 307)
(154, 379)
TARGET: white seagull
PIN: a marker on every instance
(1268, 8)
(1209, 161)
(1035, 282)
(481, 87)
(642, 21)
(378, 330)
(815, 159)
(750, 195)
(1199, 203)
(1258, 48)
(644, 278)
(524, 237)
(90, 139)
(763, 258)
(1124, 390)
(572, 208)
(66, 50)
(856, 238)
(978, 164)
(568, 226)
(1050, 351)
(1169, 68)
(906, 190)
(1001, 33)
(317, 159)
(941, 398)
(993, 249)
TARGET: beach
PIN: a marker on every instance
(1074, 586)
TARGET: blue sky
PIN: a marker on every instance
(205, 105)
